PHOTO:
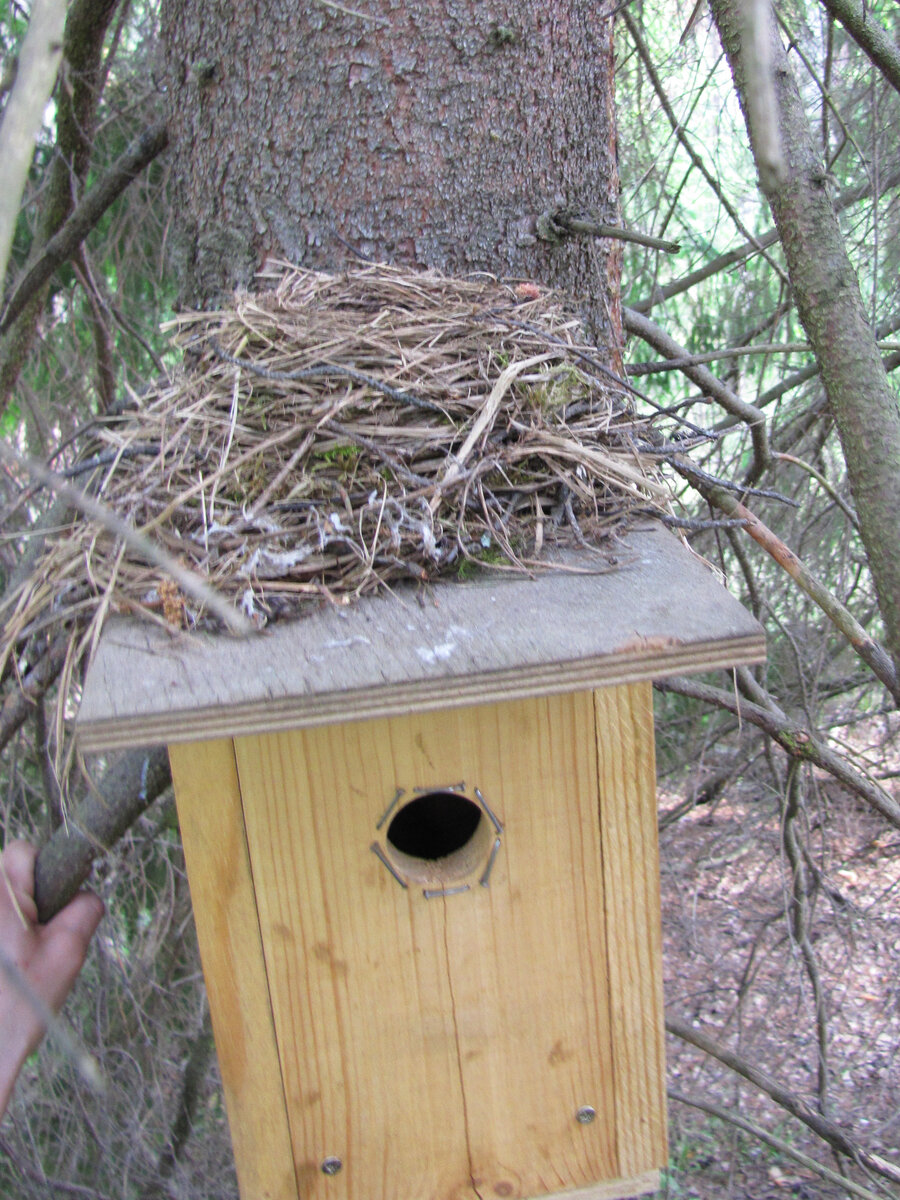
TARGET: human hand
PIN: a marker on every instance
(45, 957)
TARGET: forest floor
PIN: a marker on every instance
(734, 972)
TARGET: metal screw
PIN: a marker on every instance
(331, 1166)
(585, 1115)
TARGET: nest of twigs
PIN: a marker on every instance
(335, 434)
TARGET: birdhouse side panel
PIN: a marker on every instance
(628, 823)
(210, 814)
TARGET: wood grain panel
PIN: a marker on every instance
(625, 749)
(439, 1047)
(357, 968)
(620, 1189)
(528, 956)
(212, 830)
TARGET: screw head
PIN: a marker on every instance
(331, 1166)
(585, 1115)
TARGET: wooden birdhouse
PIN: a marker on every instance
(421, 841)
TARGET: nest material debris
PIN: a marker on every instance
(334, 434)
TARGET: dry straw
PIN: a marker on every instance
(333, 434)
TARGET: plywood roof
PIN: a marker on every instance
(660, 612)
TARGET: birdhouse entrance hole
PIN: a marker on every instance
(438, 837)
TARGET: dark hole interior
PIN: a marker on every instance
(434, 825)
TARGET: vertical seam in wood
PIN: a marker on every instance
(462, 1084)
(606, 940)
(269, 1004)
(637, 715)
(644, 691)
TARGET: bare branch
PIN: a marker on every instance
(63, 244)
(741, 253)
(714, 1110)
(651, 333)
(38, 64)
(794, 738)
(190, 1093)
(874, 655)
(798, 915)
(64, 862)
(827, 1130)
(647, 60)
(869, 35)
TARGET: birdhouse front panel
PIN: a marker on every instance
(459, 929)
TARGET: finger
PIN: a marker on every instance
(63, 947)
(80, 917)
(18, 865)
(17, 877)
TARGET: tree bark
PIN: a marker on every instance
(429, 135)
(869, 35)
(65, 861)
(67, 240)
(86, 25)
(830, 307)
(425, 134)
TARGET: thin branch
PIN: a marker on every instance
(651, 333)
(823, 483)
(97, 321)
(869, 35)
(782, 1147)
(190, 1094)
(63, 244)
(874, 655)
(883, 330)
(741, 253)
(50, 1185)
(798, 917)
(826, 1129)
(647, 60)
(827, 101)
(44, 744)
(698, 360)
(798, 741)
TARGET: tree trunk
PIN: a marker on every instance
(86, 25)
(830, 307)
(424, 134)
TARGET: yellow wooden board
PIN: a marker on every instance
(212, 830)
(625, 751)
(440, 1048)
(619, 1189)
